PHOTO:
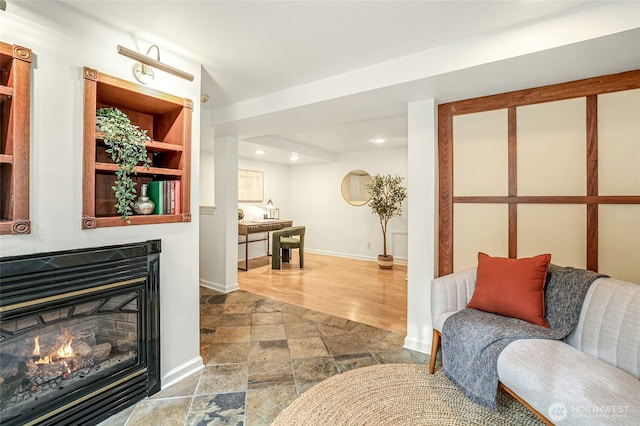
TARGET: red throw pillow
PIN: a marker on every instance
(512, 287)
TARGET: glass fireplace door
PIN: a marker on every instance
(52, 348)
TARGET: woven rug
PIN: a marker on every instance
(396, 394)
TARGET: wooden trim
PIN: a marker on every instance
(16, 123)
(21, 133)
(512, 148)
(89, 153)
(555, 92)
(445, 196)
(163, 146)
(6, 49)
(165, 116)
(592, 146)
(592, 182)
(102, 222)
(22, 53)
(592, 237)
(88, 222)
(111, 167)
(90, 74)
(589, 88)
(550, 199)
(512, 155)
(155, 145)
(132, 87)
(525, 403)
(513, 231)
(6, 91)
(185, 191)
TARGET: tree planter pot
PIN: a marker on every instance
(385, 262)
(387, 195)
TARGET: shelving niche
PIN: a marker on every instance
(166, 118)
(15, 113)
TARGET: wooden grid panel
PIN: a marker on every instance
(590, 89)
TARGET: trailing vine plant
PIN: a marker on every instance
(126, 144)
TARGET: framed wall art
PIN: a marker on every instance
(250, 186)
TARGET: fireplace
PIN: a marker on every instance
(79, 333)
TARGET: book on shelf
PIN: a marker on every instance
(178, 209)
(156, 194)
(167, 198)
(172, 197)
(166, 194)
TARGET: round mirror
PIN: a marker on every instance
(354, 187)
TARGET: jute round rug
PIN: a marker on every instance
(396, 394)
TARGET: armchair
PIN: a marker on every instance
(449, 294)
(283, 241)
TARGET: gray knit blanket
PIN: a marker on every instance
(472, 339)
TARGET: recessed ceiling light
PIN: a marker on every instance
(294, 157)
(377, 140)
(259, 152)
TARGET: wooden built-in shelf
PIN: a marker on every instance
(163, 146)
(15, 116)
(153, 145)
(167, 120)
(108, 221)
(6, 91)
(111, 167)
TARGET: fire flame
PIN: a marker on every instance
(36, 350)
(64, 351)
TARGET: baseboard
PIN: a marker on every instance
(182, 371)
(417, 345)
(219, 287)
(396, 260)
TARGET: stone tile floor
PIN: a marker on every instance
(261, 354)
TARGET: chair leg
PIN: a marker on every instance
(275, 256)
(286, 253)
(301, 253)
(435, 345)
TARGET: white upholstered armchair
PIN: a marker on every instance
(449, 294)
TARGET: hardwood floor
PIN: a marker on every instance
(357, 290)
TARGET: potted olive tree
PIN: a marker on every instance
(387, 195)
(126, 144)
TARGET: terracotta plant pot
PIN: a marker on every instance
(385, 262)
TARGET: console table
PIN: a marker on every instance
(265, 226)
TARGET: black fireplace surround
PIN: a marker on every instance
(79, 333)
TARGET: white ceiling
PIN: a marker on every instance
(250, 49)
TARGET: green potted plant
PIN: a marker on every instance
(387, 195)
(126, 144)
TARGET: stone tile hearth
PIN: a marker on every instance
(260, 355)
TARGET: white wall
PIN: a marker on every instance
(207, 166)
(219, 231)
(437, 73)
(277, 187)
(310, 195)
(422, 125)
(63, 43)
(334, 226)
